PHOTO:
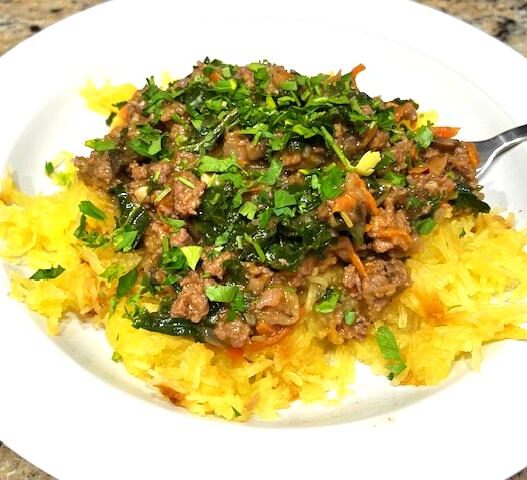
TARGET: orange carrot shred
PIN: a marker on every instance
(473, 155)
(445, 132)
(356, 70)
(370, 200)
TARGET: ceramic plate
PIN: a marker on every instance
(69, 409)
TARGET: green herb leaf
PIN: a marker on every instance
(425, 226)
(174, 223)
(117, 357)
(330, 141)
(256, 246)
(112, 272)
(331, 183)
(387, 344)
(47, 273)
(50, 168)
(423, 136)
(395, 179)
(248, 210)
(186, 182)
(126, 283)
(209, 164)
(148, 142)
(221, 293)
(92, 239)
(100, 144)
(273, 173)
(289, 85)
(350, 317)
(90, 210)
(124, 238)
(390, 351)
(192, 254)
(282, 198)
(329, 301)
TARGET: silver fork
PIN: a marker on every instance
(489, 149)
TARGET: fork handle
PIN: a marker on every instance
(508, 139)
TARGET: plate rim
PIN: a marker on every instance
(51, 460)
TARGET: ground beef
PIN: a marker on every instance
(246, 75)
(277, 306)
(395, 198)
(427, 186)
(406, 111)
(235, 333)
(191, 302)
(181, 239)
(383, 279)
(242, 147)
(460, 162)
(357, 331)
(404, 152)
(96, 170)
(185, 200)
(152, 242)
(379, 140)
(389, 229)
(171, 109)
(258, 277)
(214, 266)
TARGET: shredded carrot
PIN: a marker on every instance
(395, 232)
(418, 169)
(445, 132)
(344, 203)
(356, 70)
(370, 200)
(473, 155)
(235, 354)
(278, 336)
(264, 328)
(214, 76)
(357, 262)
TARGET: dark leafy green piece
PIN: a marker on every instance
(328, 302)
(126, 283)
(390, 351)
(101, 145)
(47, 273)
(131, 223)
(90, 210)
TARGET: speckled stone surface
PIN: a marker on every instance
(504, 19)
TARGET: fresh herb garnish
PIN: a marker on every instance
(126, 283)
(423, 136)
(350, 317)
(425, 226)
(100, 144)
(222, 293)
(329, 301)
(390, 351)
(90, 210)
(192, 255)
(47, 273)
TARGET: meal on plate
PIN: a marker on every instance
(245, 233)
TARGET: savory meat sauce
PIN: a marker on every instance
(258, 195)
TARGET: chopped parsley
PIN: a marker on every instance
(101, 145)
(47, 273)
(390, 351)
(329, 301)
(90, 210)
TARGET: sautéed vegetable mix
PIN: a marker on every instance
(247, 232)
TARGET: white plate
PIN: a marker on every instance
(66, 407)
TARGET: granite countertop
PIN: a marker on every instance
(504, 19)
